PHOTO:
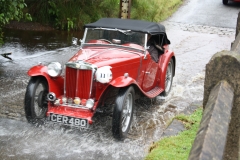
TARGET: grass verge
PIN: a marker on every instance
(154, 10)
(177, 147)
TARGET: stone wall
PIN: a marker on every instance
(212, 134)
(238, 25)
(225, 66)
(230, 70)
(218, 135)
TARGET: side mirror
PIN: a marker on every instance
(81, 41)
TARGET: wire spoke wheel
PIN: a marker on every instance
(123, 113)
(39, 98)
(168, 78)
(36, 99)
(127, 112)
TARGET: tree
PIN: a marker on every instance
(11, 10)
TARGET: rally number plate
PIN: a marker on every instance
(77, 122)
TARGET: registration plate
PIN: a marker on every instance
(77, 122)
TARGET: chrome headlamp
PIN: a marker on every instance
(90, 103)
(54, 69)
(104, 74)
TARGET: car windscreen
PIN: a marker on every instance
(114, 36)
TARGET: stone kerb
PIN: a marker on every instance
(236, 44)
(212, 134)
(238, 25)
(225, 65)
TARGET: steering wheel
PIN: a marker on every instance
(106, 40)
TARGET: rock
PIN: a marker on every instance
(174, 128)
(238, 25)
(225, 65)
(212, 134)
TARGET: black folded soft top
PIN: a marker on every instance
(131, 24)
(128, 24)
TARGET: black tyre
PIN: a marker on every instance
(123, 113)
(168, 78)
(35, 102)
(225, 2)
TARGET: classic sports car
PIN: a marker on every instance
(226, 1)
(112, 68)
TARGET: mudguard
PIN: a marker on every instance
(163, 64)
(122, 81)
(56, 84)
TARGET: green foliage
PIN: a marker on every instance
(11, 10)
(177, 147)
(38, 10)
(1, 37)
(153, 10)
(71, 14)
(110, 8)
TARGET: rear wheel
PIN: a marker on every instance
(168, 78)
(123, 113)
(36, 100)
(225, 2)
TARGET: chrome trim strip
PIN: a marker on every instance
(84, 37)
(76, 93)
(64, 79)
(93, 73)
(81, 65)
(113, 29)
(113, 45)
(74, 106)
(145, 47)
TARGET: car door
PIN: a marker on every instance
(150, 72)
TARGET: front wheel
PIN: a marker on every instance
(36, 100)
(168, 78)
(225, 2)
(123, 113)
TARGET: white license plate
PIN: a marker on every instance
(77, 122)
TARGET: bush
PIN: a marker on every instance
(73, 14)
(11, 10)
(69, 14)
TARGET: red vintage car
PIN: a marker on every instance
(226, 1)
(112, 68)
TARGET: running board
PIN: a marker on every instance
(154, 92)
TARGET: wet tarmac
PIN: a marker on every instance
(194, 39)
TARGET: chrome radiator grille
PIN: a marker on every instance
(78, 83)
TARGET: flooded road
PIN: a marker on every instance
(194, 36)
